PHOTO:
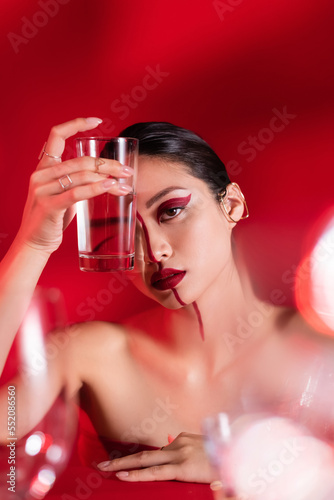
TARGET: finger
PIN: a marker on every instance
(80, 193)
(145, 458)
(55, 144)
(84, 164)
(66, 181)
(171, 438)
(72, 181)
(156, 473)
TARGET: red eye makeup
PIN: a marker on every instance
(173, 203)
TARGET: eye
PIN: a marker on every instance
(170, 213)
(170, 209)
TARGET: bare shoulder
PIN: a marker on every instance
(97, 337)
(292, 328)
(82, 347)
(287, 360)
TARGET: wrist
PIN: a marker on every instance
(21, 245)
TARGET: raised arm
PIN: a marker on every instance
(48, 211)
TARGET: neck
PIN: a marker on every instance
(230, 314)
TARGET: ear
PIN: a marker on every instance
(233, 203)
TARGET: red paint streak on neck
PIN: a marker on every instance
(177, 296)
(197, 311)
(199, 317)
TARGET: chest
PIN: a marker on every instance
(144, 404)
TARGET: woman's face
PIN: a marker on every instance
(183, 240)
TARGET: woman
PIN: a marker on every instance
(174, 365)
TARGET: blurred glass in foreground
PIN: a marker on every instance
(280, 445)
(37, 428)
(315, 277)
(268, 457)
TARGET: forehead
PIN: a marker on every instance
(155, 174)
(155, 166)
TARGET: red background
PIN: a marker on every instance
(226, 66)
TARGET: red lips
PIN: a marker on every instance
(167, 278)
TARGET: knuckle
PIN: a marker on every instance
(183, 434)
(83, 177)
(82, 163)
(86, 162)
(36, 193)
(135, 474)
(97, 189)
(88, 176)
(55, 130)
(186, 451)
(57, 170)
(73, 195)
(34, 178)
(183, 438)
(156, 470)
(115, 463)
(142, 456)
(78, 121)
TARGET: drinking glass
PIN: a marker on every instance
(106, 223)
(36, 431)
(278, 450)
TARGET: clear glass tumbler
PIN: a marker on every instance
(38, 422)
(106, 224)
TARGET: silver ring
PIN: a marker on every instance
(43, 152)
(98, 163)
(67, 183)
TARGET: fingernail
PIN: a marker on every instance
(122, 474)
(170, 438)
(92, 120)
(124, 188)
(128, 170)
(108, 183)
(103, 465)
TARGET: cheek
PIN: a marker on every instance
(139, 248)
(207, 241)
(139, 268)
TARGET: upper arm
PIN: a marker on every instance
(71, 357)
(43, 375)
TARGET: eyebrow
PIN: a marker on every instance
(162, 193)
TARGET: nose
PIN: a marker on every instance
(158, 249)
(157, 246)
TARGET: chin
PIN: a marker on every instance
(169, 300)
(166, 299)
(169, 303)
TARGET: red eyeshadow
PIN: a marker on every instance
(173, 203)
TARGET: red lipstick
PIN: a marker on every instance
(167, 278)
